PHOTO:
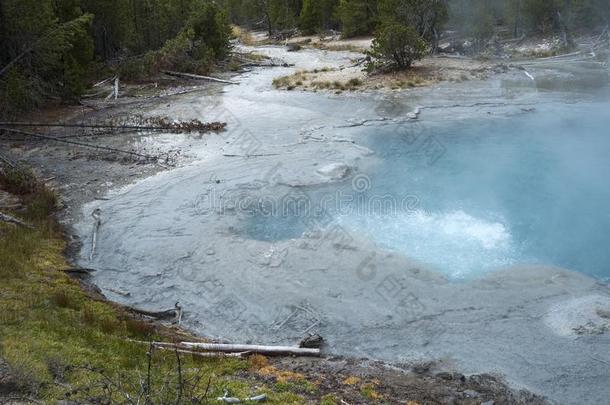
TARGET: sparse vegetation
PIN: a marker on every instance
(315, 80)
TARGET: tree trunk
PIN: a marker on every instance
(517, 28)
(197, 77)
(566, 37)
(230, 348)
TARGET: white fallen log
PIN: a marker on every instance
(96, 214)
(270, 350)
(201, 354)
(234, 400)
(197, 77)
(102, 82)
(560, 56)
(180, 349)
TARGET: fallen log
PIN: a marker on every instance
(180, 349)
(86, 145)
(205, 354)
(200, 354)
(197, 77)
(103, 82)
(528, 74)
(237, 348)
(269, 350)
(232, 155)
(79, 271)
(119, 292)
(564, 55)
(164, 125)
(262, 64)
(15, 221)
(174, 314)
(93, 95)
(234, 400)
(7, 161)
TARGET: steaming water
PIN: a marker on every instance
(531, 189)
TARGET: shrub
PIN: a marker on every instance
(18, 93)
(41, 201)
(397, 45)
(355, 82)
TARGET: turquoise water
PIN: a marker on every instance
(529, 189)
(489, 193)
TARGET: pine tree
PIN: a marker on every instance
(357, 17)
(310, 19)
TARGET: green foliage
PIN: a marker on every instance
(211, 30)
(40, 201)
(397, 45)
(540, 14)
(271, 15)
(329, 399)
(310, 16)
(317, 15)
(282, 14)
(41, 54)
(426, 16)
(357, 17)
(203, 41)
(18, 93)
(247, 13)
(47, 46)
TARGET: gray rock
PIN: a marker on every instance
(471, 394)
(335, 171)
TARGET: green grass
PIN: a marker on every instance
(329, 399)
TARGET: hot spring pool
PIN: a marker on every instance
(483, 194)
